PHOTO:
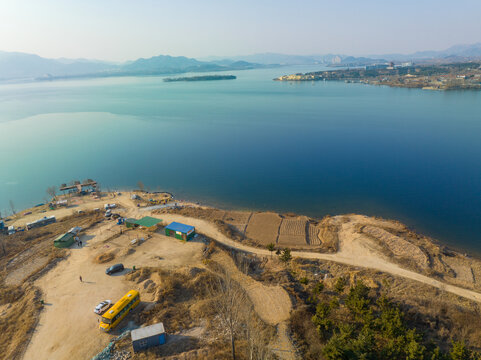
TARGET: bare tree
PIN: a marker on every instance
(12, 207)
(229, 300)
(141, 185)
(256, 336)
(52, 191)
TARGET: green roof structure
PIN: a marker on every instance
(64, 240)
(148, 221)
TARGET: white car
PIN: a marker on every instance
(102, 307)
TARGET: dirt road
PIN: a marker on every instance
(351, 252)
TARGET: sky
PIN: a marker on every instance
(119, 30)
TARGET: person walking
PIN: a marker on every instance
(80, 277)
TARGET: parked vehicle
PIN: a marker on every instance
(41, 222)
(110, 206)
(75, 230)
(108, 213)
(114, 316)
(102, 307)
(11, 230)
(114, 268)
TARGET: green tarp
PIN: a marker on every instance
(64, 241)
(148, 221)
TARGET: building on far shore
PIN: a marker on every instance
(180, 231)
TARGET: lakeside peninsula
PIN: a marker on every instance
(202, 78)
(294, 272)
(466, 76)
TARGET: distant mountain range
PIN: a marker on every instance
(454, 53)
(472, 51)
(21, 66)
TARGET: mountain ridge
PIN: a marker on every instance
(23, 66)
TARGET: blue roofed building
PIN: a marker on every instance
(180, 231)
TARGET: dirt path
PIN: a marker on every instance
(351, 252)
(271, 303)
(283, 346)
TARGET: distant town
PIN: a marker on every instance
(429, 77)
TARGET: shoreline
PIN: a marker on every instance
(222, 206)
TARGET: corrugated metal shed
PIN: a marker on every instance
(147, 331)
(148, 336)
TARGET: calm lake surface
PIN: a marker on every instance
(312, 148)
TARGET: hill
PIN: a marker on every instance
(21, 66)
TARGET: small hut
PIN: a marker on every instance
(180, 231)
(64, 240)
(146, 337)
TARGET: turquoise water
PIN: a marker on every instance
(312, 148)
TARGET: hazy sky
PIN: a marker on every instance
(128, 29)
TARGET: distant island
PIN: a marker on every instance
(202, 78)
(466, 76)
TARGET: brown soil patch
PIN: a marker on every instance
(264, 227)
(293, 226)
(312, 235)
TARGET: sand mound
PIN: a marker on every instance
(127, 251)
(104, 258)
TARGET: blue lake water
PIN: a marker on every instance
(312, 148)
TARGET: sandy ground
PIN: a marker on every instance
(68, 328)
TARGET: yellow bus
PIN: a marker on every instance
(116, 313)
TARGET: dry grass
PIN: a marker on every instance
(104, 258)
(229, 230)
(20, 305)
(237, 217)
(18, 320)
